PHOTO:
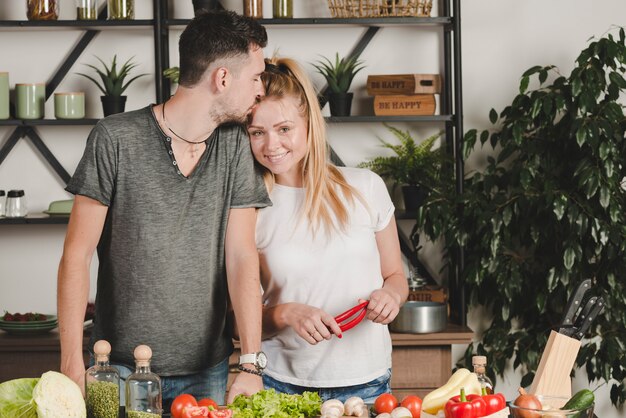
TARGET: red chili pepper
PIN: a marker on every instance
(472, 406)
(495, 402)
(349, 313)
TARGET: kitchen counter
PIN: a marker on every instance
(421, 362)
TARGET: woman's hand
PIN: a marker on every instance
(311, 323)
(383, 307)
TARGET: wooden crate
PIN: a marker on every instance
(429, 294)
(403, 84)
(405, 105)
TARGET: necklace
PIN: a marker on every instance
(194, 146)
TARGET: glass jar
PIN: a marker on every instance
(121, 9)
(253, 8)
(16, 204)
(86, 9)
(283, 9)
(42, 9)
(102, 385)
(143, 388)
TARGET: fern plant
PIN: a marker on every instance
(339, 75)
(111, 79)
(414, 164)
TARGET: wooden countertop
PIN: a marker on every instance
(453, 334)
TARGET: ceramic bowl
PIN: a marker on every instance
(551, 405)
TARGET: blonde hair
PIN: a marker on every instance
(322, 180)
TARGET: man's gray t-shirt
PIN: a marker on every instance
(162, 276)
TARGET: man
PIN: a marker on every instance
(168, 198)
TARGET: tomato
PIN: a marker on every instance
(180, 403)
(414, 404)
(385, 403)
(207, 402)
(195, 411)
(221, 413)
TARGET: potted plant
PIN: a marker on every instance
(339, 76)
(416, 167)
(172, 73)
(112, 84)
(548, 210)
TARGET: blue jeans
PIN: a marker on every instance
(208, 383)
(367, 391)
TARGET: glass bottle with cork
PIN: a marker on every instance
(102, 385)
(480, 368)
(143, 388)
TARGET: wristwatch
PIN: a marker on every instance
(259, 359)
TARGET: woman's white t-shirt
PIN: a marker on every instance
(328, 271)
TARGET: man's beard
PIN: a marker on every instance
(232, 117)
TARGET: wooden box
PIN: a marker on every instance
(405, 105)
(403, 84)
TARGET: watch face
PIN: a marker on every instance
(261, 360)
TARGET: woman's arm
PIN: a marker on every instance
(385, 302)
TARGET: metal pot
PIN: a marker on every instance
(420, 318)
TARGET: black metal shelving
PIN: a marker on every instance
(77, 24)
(451, 109)
(317, 21)
(379, 119)
(36, 219)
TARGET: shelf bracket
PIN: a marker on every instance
(358, 49)
(34, 137)
(30, 133)
(17, 134)
(69, 61)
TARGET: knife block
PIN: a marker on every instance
(553, 374)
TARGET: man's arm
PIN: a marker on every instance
(83, 233)
(244, 286)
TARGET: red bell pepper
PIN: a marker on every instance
(470, 406)
(495, 402)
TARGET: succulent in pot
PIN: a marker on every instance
(339, 75)
(113, 82)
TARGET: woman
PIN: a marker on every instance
(328, 242)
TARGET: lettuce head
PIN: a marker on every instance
(16, 399)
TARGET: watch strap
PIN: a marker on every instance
(247, 358)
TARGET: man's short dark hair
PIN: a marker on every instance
(215, 35)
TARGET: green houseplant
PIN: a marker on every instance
(113, 83)
(416, 167)
(548, 210)
(339, 75)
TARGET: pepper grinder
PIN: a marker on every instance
(16, 204)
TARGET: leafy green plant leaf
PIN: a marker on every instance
(111, 78)
(547, 209)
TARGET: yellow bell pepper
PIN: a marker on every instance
(437, 399)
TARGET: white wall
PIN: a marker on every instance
(500, 39)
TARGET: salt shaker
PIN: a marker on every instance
(16, 204)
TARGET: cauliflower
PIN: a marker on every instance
(57, 396)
